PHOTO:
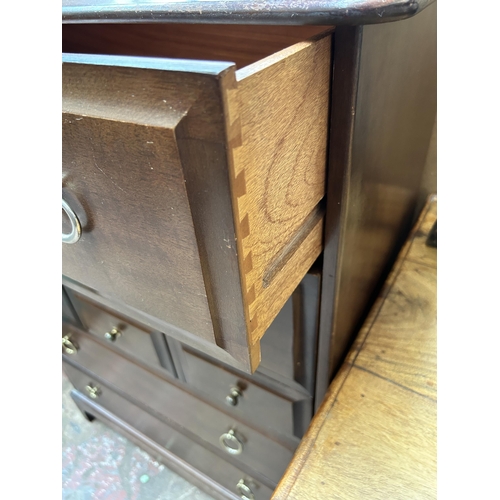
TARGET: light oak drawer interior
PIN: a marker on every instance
(195, 179)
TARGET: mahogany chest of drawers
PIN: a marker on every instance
(234, 188)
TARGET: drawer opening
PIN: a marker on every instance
(242, 45)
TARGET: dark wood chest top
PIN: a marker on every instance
(324, 12)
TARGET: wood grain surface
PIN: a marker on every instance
(375, 433)
(143, 141)
(383, 113)
(201, 185)
(278, 142)
(121, 165)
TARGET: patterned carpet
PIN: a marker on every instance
(99, 464)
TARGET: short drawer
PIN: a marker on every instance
(121, 333)
(265, 456)
(279, 395)
(284, 411)
(197, 187)
(136, 424)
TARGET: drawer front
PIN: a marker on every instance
(197, 187)
(279, 395)
(243, 397)
(208, 463)
(265, 455)
(119, 332)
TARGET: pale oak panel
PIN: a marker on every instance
(371, 445)
(402, 342)
(375, 434)
(278, 140)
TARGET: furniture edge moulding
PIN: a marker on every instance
(319, 12)
(208, 187)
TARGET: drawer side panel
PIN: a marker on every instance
(277, 121)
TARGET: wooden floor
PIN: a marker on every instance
(374, 437)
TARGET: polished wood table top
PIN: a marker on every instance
(374, 436)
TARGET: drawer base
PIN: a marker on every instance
(265, 456)
(206, 480)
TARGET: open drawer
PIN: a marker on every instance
(192, 189)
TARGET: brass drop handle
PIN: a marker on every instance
(231, 443)
(244, 490)
(93, 390)
(70, 346)
(76, 227)
(232, 397)
(112, 335)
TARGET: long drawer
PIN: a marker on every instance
(265, 455)
(192, 189)
(169, 446)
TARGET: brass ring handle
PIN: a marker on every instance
(93, 390)
(112, 335)
(70, 346)
(76, 228)
(232, 397)
(231, 443)
(244, 490)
